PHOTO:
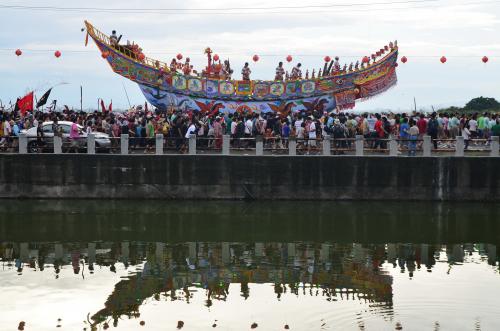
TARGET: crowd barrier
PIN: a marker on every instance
(260, 146)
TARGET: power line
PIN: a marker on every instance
(108, 9)
(251, 54)
(340, 8)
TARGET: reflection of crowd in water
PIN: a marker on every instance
(309, 259)
(412, 257)
(172, 271)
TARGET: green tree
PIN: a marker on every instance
(480, 104)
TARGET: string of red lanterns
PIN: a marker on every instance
(256, 58)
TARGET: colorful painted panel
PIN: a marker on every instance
(211, 87)
(260, 90)
(292, 88)
(325, 85)
(195, 85)
(277, 89)
(243, 87)
(226, 88)
(179, 82)
(308, 87)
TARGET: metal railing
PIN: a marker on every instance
(260, 145)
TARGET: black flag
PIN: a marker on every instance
(43, 99)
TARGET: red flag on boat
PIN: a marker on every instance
(26, 103)
(110, 108)
(103, 106)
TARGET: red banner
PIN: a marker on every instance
(26, 103)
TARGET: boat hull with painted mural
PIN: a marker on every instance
(164, 87)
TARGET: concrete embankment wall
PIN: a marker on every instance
(249, 177)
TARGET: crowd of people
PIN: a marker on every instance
(307, 127)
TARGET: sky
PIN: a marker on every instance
(462, 30)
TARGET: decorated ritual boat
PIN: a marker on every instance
(334, 88)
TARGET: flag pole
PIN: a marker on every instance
(81, 98)
(129, 105)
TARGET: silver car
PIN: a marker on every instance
(102, 141)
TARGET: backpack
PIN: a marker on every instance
(338, 131)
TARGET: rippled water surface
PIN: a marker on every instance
(96, 265)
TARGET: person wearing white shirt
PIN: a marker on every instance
(191, 130)
(248, 127)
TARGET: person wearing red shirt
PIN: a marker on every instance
(379, 129)
(422, 126)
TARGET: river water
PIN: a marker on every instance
(151, 265)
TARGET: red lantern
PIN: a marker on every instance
(366, 59)
(327, 58)
(255, 58)
(105, 54)
(404, 59)
(19, 52)
(141, 57)
(485, 59)
(378, 53)
(179, 56)
(216, 57)
(386, 48)
(57, 54)
(443, 59)
(396, 64)
(289, 58)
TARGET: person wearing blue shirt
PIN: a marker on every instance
(403, 132)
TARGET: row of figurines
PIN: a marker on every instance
(332, 68)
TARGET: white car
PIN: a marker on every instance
(102, 140)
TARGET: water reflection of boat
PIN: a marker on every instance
(172, 271)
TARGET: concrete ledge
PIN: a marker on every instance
(249, 177)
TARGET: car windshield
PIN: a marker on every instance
(47, 129)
